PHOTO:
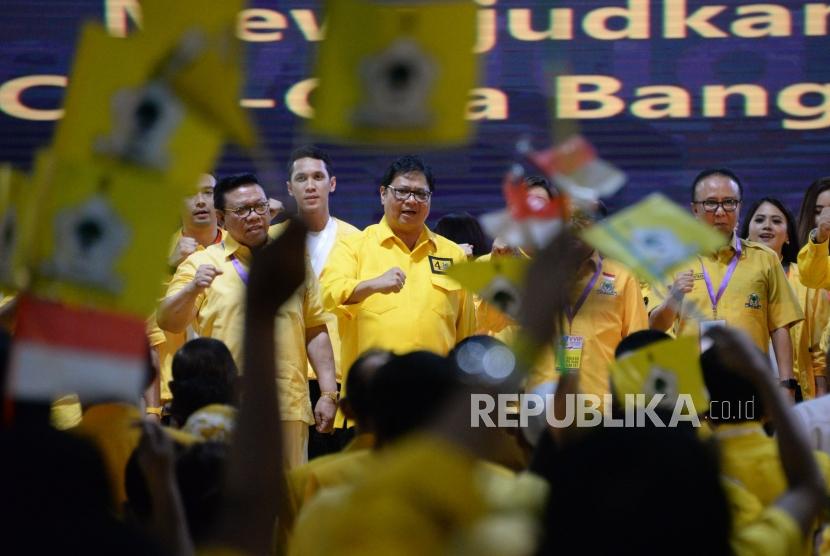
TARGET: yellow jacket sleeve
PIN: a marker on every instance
(814, 265)
(775, 532)
(339, 277)
(784, 307)
(314, 315)
(635, 317)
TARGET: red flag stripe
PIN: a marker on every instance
(81, 328)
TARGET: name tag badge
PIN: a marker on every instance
(569, 356)
(705, 326)
(439, 265)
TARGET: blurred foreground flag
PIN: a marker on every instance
(396, 75)
(100, 229)
(498, 281)
(18, 201)
(527, 220)
(574, 166)
(668, 367)
(59, 350)
(163, 99)
(205, 64)
(653, 238)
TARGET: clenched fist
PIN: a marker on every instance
(204, 277)
(391, 281)
(184, 248)
(684, 282)
(823, 225)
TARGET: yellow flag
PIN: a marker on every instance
(653, 238)
(498, 281)
(114, 111)
(102, 232)
(667, 367)
(396, 75)
(20, 197)
(207, 71)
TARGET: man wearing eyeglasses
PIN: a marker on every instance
(389, 281)
(208, 293)
(741, 285)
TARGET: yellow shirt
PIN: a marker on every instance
(432, 312)
(168, 343)
(750, 457)
(774, 533)
(809, 358)
(424, 496)
(329, 470)
(743, 505)
(343, 229)
(757, 300)
(112, 428)
(613, 309)
(814, 265)
(221, 310)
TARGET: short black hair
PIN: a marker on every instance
(228, 184)
(200, 470)
(463, 227)
(790, 249)
(409, 391)
(358, 381)
(405, 165)
(200, 474)
(728, 389)
(543, 183)
(308, 151)
(726, 172)
(204, 373)
(639, 339)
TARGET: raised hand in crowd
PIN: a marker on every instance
(185, 247)
(255, 489)
(156, 457)
(805, 494)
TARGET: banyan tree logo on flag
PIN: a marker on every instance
(396, 86)
(660, 248)
(144, 121)
(89, 239)
(402, 76)
(653, 237)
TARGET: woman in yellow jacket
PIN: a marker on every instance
(771, 223)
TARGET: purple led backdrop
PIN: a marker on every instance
(778, 141)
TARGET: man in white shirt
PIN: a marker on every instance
(310, 181)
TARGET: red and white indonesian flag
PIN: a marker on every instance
(59, 350)
(527, 221)
(575, 168)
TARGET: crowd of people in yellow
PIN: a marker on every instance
(306, 395)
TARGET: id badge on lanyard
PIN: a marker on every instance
(569, 350)
(714, 297)
(569, 354)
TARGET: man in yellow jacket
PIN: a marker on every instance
(741, 285)
(208, 292)
(388, 283)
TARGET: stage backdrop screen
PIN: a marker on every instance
(661, 88)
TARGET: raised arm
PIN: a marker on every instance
(805, 493)
(813, 260)
(178, 309)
